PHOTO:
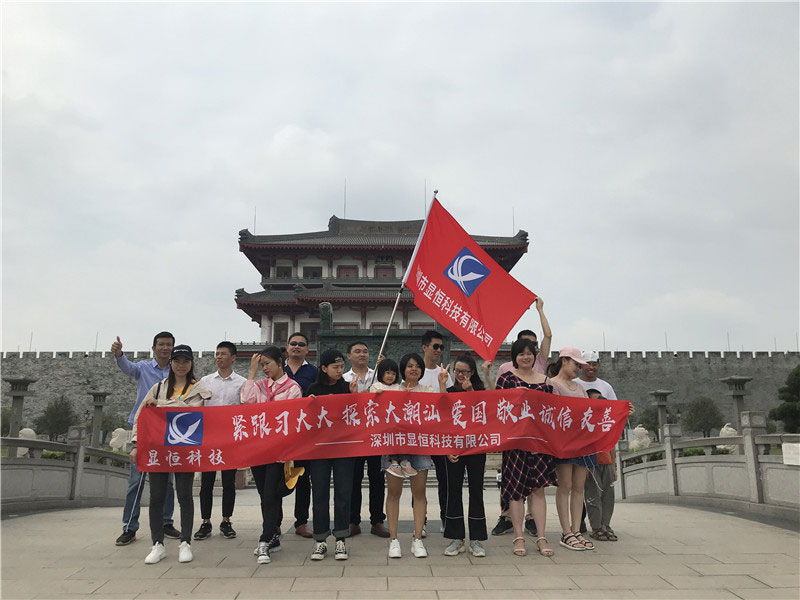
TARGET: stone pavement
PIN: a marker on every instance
(663, 552)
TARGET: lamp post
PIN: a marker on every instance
(19, 389)
(661, 401)
(736, 391)
(98, 401)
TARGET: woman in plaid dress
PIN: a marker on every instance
(525, 473)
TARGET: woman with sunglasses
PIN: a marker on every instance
(466, 380)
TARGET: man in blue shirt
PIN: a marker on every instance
(147, 373)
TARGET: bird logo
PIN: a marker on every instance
(467, 272)
(180, 434)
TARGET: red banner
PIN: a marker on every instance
(228, 437)
(461, 287)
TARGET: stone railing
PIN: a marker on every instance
(745, 476)
(74, 476)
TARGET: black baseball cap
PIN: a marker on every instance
(182, 350)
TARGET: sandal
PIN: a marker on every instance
(568, 540)
(610, 535)
(520, 551)
(543, 551)
(599, 535)
(586, 543)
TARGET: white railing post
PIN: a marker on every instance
(753, 423)
(671, 433)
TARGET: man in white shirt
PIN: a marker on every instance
(225, 386)
(589, 379)
(358, 355)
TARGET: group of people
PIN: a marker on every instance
(169, 380)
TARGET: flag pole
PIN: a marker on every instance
(402, 283)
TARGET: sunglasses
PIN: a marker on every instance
(301, 344)
(437, 346)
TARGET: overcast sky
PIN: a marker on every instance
(651, 152)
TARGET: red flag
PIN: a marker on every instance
(458, 284)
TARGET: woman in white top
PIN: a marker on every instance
(276, 386)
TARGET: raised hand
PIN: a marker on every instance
(354, 386)
(255, 362)
(444, 373)
(539, 303)
(116, 347)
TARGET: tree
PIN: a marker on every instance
(56, 418)
(6, 421)
(789, 411)
(648, 418)
(702, 414)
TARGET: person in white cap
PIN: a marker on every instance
(589, 379)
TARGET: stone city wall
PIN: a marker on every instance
(633, 375)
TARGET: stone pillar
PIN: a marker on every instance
(671, 433)
(98, 401)
(19, 389)
(77, 436)
(753, 424)
(660, 397)
(619, 485)
(736, 392)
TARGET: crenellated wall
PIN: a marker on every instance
(633, 375)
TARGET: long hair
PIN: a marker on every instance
(171, 380)
(274, 353)
(475, 379)
(554, 368)
(385, 366)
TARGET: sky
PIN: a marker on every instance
(649, 150)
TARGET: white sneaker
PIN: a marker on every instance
(476, 548)
(418, 549)
(455, 548)
(340, 550)
(263, 553)
(424, 533)
(394, 549)
(320, 550)
(156, 554)
(185, 552)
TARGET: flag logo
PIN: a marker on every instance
(467, 272)
(182, 430)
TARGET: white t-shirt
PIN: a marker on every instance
(224, 391)
(363, 384)
(431, 378)
(598, 384)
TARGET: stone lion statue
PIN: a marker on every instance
(26, 433)
(119, 439)
(641, 439)
(728, 431)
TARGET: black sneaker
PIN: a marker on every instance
(530, 527)
(274, 545)
(226, 529)
(504, 525)
(204, 531)
(171, 532)
(126, 538)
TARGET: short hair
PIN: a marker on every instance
(162, 335)
(385, 366)
(404, 363)
(274, 353)
(431, 335)
(296, 334)
(229, 345)
(525, 332)
(519, 347)
(594, 391)
(357, 343)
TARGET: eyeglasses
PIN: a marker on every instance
(437, 346)
(301, 344)
(463, 371)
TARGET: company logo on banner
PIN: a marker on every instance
(466, 271)
(184, 429)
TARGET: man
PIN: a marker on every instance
(358, 355)
(225, 387)
(432, 348)
(589, 379)
(146, 373)
(540, 366)
(304, 373)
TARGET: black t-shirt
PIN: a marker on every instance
(317, 389)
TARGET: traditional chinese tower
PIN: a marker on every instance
(355, 265)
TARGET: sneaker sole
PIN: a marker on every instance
(477, 554)
(125, 543)
(340, 556)
(317, 556)
(456, 553)
(228, 537)
(262, 561)
(202, 537)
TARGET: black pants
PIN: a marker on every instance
(267, 478)
(475, 465)
(439, 463)
(158, 493)
(376, 489)
(302, 495)
(207, 479)
(321, 470)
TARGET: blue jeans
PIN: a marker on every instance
(133, 500)
(321, 470)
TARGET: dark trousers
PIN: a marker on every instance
(207, 479)
(440, 464)
(474, 464)
(376, 489)
(302, 494)
(158, 493)
(267, 478)
(321, 469)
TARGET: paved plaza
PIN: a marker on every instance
(664, 551)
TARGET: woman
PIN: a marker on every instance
(466, 380)
(180, 389)
(526, 473)
(411, 369)
(571, 472)
(277, 386)
(330, 381)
